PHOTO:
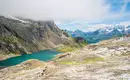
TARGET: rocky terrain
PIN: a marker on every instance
(106, 60)
(19, 36)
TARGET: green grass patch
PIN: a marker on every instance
(69, 62)
(93, 59)
(9, 39)
(85, 61)
(70, 47)
(77, 43)
(66, 49)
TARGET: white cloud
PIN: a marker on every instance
(85, 11)
(96, 26)
(126, 23)
(56, 9)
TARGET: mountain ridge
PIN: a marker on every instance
(101, 33)
(25, 36)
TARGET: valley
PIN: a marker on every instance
(106, 60)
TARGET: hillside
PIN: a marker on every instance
(107, 32)
(106, 60)
(19, 35)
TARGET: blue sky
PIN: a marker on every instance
(119, 13)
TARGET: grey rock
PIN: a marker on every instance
(28, 36)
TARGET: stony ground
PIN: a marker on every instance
(107, 60)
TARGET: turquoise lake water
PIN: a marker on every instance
(44, 55)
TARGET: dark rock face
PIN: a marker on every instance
(30, 36)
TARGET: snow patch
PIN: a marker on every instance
(14, 18)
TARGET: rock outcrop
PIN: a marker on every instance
(28, 71)
(24, 36)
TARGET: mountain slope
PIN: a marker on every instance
(102, 34)
(23, 36)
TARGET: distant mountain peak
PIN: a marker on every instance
(106, 32)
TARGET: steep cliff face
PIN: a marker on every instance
(22, 36)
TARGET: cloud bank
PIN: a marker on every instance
(56, 9)
(85, 15)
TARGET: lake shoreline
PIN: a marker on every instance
(44, 55)
(2, 67)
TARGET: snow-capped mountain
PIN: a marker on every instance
(102, 33)
(18, 19)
